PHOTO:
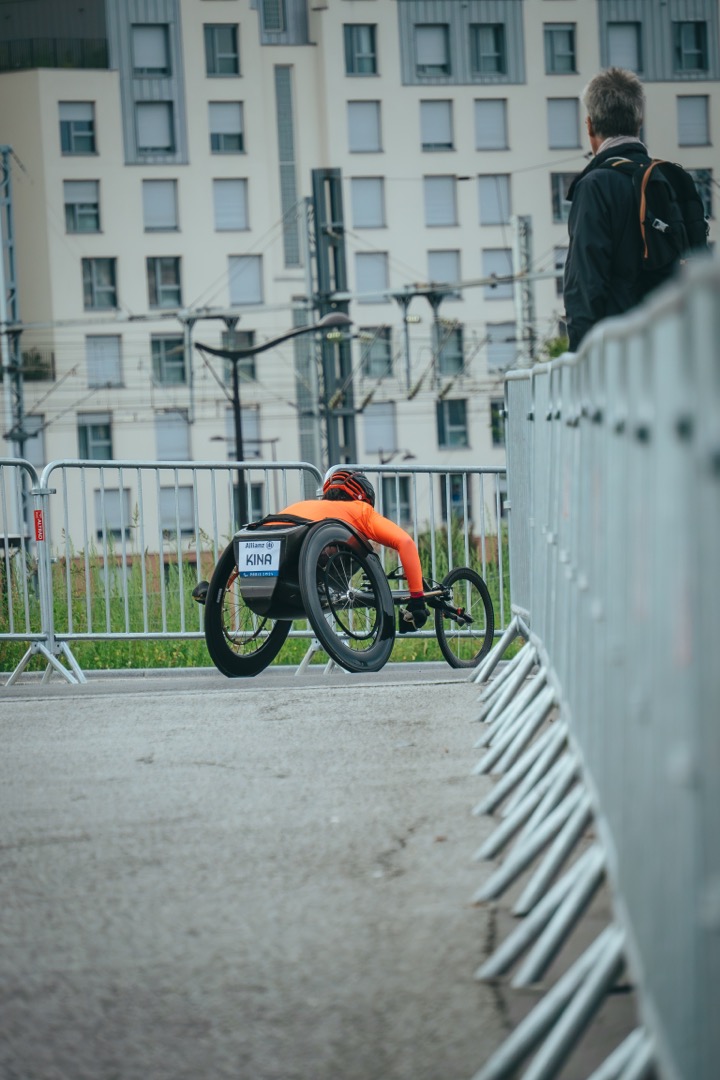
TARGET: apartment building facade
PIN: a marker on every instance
(162, 154)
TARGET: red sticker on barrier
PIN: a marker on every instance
(39, 526)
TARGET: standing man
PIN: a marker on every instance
(603, 270)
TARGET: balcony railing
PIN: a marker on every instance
(53, 53)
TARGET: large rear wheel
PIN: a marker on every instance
(465, 633)
(240, 642)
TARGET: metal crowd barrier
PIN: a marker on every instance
(614, 493)
(118, 545)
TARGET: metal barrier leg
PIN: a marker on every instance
(53, 664)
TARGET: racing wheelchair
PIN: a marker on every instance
(284, 568)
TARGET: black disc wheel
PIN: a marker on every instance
(240, 642)
(347, 598)
(464, 643)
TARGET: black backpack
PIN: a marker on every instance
(671, 216)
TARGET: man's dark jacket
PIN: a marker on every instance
(603, 267)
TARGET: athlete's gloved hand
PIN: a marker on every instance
(414, 616)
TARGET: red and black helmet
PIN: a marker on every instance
(354, 484)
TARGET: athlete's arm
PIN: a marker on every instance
(386, 532)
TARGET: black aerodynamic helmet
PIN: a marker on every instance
(354, 484)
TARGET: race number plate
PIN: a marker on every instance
(258, 558)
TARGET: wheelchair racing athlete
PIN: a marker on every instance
(350, 497)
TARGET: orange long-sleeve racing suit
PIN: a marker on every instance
(371, 524)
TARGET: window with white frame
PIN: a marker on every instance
(360, 49)
(94, 436)
(624, 44)
(112, 513)
(172, 436)
(151, 50)
(155, 127)
(396, 503)
(693, 120)
(371, 276)
(456, 489)
(559, 48)
(230, 204)
(245, 273)
(452, 427)
(239, 339)
(99, 284)
(103, 357)
(227, 135)
(436, 125)
(34, 450)
(444, 269)
(77, 127)
(364, 127)
(559, 186)
(163, 278)
(222, 55)
(563, 118)
(494, 199)
(250, 424)
(82, 205)
(273, 16)
(497, 421)
(168, 359)
(488, 54)
(376, 360)
(704, 183)
(559, 260)
(379, 428)
(160, 205)
(690, 41)
(450, 352)
(491, 124)
(497, 262)
(367, 199)
(501, 345)
(176, 512)
(432, 49)
(440, 200)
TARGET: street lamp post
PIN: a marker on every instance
(334, 320)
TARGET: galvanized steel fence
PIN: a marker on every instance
(110, 550)
(614, 494)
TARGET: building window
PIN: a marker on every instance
(160, 209)
(103, 359)
(436, 125)
(497, 263)
(624, 45)
(693, 120)
(34, 451)
(502, 346)
(94, 436)
(559, 259)
(163, 277)
(367, 198)
(245, 274)
(376, 352)
(450, 356)
(497, 421)
(82, 205)
(226, 127)
(250, 424)
(690, 46)
(371, 276)
(491, 124)
(172, 436)
(440, 200)
(99, 286)
(452, 424)
(559, 48)
(150, 50)
(487, 49)
(155, 128)
(222, 56)
(455, 488)
(360, 51)
(704, 183)
(77, 127)
(444, 269)
(230, 205)
(168, 360)
(239, 339)
(273, 16)
(494, 199)
(380, 428)
(432, 50)
(175, 509)
(112, 513)
(396, 499)
(563, 117)
(559, 186)
(364, 127)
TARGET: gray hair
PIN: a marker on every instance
(615, 103)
